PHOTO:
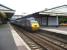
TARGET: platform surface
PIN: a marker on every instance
(61, 30)
(10, 40)
(6, 38)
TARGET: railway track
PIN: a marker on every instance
(28, 41)
(44, 41)
(58, 41)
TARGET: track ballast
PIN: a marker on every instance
(41, 40)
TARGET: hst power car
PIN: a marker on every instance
(28, 23)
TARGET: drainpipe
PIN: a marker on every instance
(57, 21)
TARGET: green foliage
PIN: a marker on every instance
(65, 19)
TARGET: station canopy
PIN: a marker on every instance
(56, 11)
(6, 12)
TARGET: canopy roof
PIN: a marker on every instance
(5, 11)
(56, 11)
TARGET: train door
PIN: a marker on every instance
(28, 25)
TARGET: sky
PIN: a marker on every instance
(31, 6)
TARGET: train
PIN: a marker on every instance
(28, 23)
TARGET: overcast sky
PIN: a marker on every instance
(31, 6)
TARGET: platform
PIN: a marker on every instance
(10, 40)
(60, 30)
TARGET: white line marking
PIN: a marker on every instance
(18, 40)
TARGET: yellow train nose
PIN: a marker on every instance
(35, 27)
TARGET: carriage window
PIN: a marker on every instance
(31, 18)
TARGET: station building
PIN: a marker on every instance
(5, 13)
(53, 17)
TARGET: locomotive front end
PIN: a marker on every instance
(35, 26)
